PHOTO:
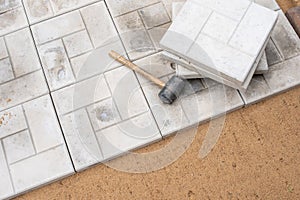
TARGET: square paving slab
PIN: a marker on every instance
(262, 66)
(106, 120)
(65, 42)
(140, 25)
(44, 9)
(32, 148)
(216, 43)
(12, 16)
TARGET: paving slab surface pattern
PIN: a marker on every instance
(213, 34)
(65, 105)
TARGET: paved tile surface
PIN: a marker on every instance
(45, 9)
(68, 39)
(64, 50)
(96, 122)
(12, 16)
(32, 148)
(217, 40)
(140, 28)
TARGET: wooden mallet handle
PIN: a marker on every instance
(135, 68)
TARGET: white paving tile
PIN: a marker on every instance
(154, 15)
(32, 147)
(18, 56)
(234, 10)
(284, 75)
(257, 90)
(117, 7)
(134, 35)
(155, 64)
(128, 135)
(44, 135)
(66, 42)
(55, 28)
(126, 92)
(12, 121)
(96, 18)
(45, 9)
(6, 71)
(3, 50)
(81, 139)
(38, 10)
(18, 146)
(22, 52)
(183, 32)
(22, 89)
(214, 30)
(103, 114)
(77, 96)
(220, 27)
(40, 169)
(157, 33)
(170, 118)
(113, 97)
(77, 43)
(230, 55)
(96, 62)
(12, 19)
(56, 64)
(211, 102)
(256, 25)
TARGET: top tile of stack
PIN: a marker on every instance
(224, 37)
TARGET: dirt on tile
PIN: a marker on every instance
(256, 157)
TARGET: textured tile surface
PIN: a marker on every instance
(216, 42)
(32, 148)
(21, 78)
(65, 42)
(188, 74)
(113, 102)
(141, 28)
(12, 16)
(45, 9)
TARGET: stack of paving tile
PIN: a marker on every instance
(223, 40)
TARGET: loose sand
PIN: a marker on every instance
(256, 157)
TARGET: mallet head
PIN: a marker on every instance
(172, 90)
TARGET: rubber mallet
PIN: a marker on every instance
(170, 90)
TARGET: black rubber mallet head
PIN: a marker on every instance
(170, 90)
